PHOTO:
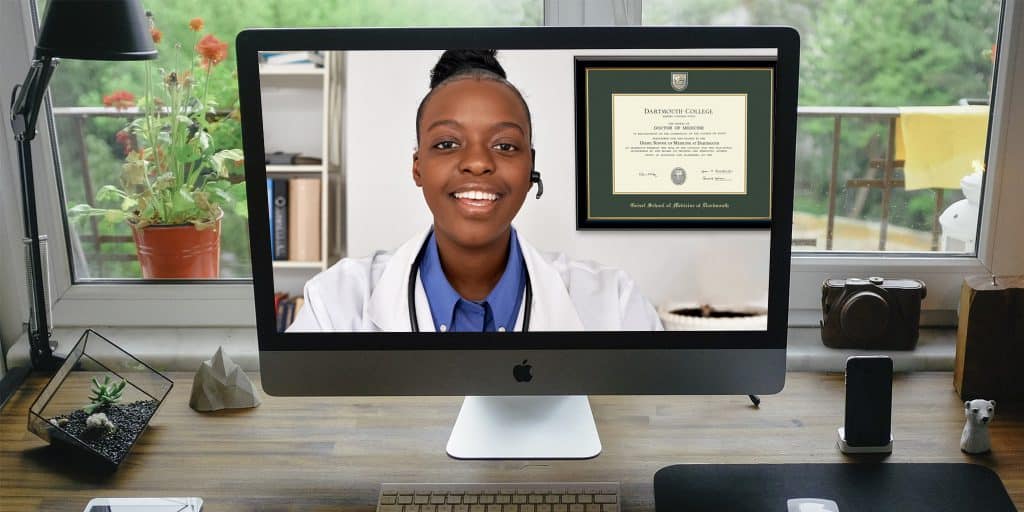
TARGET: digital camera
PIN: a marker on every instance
(872, 313)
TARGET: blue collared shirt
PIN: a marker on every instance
(497, 312)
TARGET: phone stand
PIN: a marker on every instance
(846, 448)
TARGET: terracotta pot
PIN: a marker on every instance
(178, 252)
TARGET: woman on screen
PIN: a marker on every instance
(471, 271)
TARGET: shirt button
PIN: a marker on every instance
(501, 329)
(444, 328)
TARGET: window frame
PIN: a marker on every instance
(1000, 249)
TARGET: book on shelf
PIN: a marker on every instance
(304, 219)
(279, 230)
(292, 58)
(285, 309)
(270, 212)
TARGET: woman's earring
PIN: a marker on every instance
(535, 178)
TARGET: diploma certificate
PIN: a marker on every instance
(669, 144)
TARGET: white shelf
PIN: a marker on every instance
(298, 264)
(291, 70)
(289, 169)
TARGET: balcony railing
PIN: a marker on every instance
(93, 243)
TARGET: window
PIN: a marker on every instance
(96, 274)
(874, 171)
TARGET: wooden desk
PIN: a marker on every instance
(331, 453)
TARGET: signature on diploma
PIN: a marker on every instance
(650, 174)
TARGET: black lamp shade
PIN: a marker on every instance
(95, 30)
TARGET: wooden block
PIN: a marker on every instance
(990, 339)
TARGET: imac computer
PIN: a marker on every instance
(525, 216)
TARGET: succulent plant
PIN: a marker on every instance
(104, 394)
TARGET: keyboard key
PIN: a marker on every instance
(404, 499)
(509, 508)
(569, 498)
(593, 507)
(411, 508)
(444, 508)
(609, 508)
(478, 508)
(536, 498)
(604, 498)
(560, 508)
(471, 499)
(428, 508)
(389, 508)
(487, 498)
(420, 499)
(453, 500)
(493, 508)
(388, 499)
(519, 498)
(503, 498)
(585, 498)
(460, 508)
(436, 499)
(527, 508)
(544, 508)
(551, 498)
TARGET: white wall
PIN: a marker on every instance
(14, 60)
(385, 207)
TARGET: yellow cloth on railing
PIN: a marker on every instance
(940, 144)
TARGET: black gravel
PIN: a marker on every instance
(130, 420)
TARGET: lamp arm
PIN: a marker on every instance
(26, 102)
(28, 98)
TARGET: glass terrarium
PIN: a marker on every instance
(99, 401)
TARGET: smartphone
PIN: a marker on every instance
(868, 401)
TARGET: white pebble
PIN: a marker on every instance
(99, 420)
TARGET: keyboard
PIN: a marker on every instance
(521, 497)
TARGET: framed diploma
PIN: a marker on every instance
(673, 143)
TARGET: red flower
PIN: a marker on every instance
(212, 50)
(120, 100)
(156, 35)
(126, 141)
(196, 24)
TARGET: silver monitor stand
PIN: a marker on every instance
(525, 427)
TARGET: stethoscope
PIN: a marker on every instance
(414, 273)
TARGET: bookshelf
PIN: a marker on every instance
(296, 118)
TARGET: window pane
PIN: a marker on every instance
(872, 64)
(96, 104)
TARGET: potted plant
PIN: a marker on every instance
(175, 181)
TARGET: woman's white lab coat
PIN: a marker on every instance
(371, 294)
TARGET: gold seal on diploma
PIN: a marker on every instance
(680, 80)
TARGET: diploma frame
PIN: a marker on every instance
(745, 205)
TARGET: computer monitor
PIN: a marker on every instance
(655, 262)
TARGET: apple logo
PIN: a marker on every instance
(523, 372)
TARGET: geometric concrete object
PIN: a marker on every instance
(221, 384)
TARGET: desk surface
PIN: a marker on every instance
(332, 453)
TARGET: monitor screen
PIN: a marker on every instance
(404, 177)
(524, 211)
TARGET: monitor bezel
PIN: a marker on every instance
(784, 40)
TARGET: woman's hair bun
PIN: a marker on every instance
(458, 62)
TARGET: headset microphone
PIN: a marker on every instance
(535, 178)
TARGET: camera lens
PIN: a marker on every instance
(864, 316)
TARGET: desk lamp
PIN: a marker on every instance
(74, 29)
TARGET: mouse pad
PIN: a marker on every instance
(853, 487)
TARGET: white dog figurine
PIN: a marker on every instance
(975, 437)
